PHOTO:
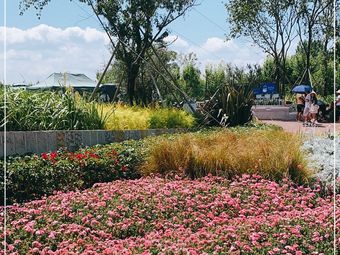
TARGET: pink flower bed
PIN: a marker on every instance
(249, 215)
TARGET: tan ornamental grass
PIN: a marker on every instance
(273, 154)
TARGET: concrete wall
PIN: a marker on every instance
(271, 112)
(22, 142)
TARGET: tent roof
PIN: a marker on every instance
(57, 80)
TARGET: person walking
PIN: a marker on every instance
(300, 105)
(314, 108)
(310, 102)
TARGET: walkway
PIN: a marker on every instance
(294, 126)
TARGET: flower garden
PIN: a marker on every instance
(174, 194)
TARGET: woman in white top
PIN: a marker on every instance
(311, 107)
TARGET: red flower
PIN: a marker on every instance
(92, 155)
(53, 155)
(44, 156)
(80, 156)
(124, 168)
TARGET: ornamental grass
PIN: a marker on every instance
(273, 154)
(122, 117)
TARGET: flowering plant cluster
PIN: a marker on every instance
(212, 215)
(32, 177)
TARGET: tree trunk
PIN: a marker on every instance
(325, 65)
(132, 74)
(308, 53)
(277, 75)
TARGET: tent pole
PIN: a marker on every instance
(118, 88)
(104, 72)
(158, 92)
(185, 96)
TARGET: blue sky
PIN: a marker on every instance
(69, 38)
(198, 24)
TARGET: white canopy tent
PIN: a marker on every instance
(60, 80)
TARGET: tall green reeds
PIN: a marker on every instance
(48, 111)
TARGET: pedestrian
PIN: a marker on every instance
(310, 102)
(300, 105)
(314, 108)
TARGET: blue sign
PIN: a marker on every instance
(257, 91)
(268, 88)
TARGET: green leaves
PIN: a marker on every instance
(236, 102)
(28, 111)
(32, 177)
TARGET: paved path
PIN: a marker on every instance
(294, 126)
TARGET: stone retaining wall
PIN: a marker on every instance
(22, 142)
(271, 112)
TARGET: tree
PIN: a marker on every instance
(190, 80)
(150, 84)
(135, 24)
(313, 17)
(214, 78)
(309, 13)
(269, 24)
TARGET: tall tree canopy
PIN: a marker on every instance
(315, 18)
(268, 23)
(135, 24)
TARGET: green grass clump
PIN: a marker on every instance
(28, 111)
(273, 154)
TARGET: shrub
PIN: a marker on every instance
(232, 106)
(32, 177)
(273, 154)
(48, 111)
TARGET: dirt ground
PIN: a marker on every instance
(294, 126)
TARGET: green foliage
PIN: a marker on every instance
(48, 111)
(321, 64)
(236, 104)
(214, 78)
(171, 118)
(32, 177)
(192, 81)
(190, 76)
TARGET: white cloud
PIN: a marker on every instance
(215, 44)
(216, 50)
(37, 52)
(45, 33)
(176, 41)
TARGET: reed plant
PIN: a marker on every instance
(273, 154)
(27, 111)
